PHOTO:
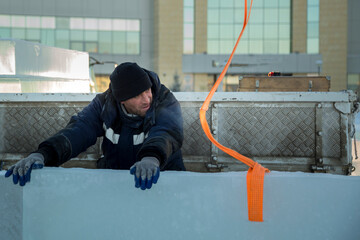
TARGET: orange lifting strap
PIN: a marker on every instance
(256, 172)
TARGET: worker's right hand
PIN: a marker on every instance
(21, 171)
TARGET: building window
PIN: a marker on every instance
(99, 35)
(268, 30)
(313, 26)
(189, 26)
(62, 37)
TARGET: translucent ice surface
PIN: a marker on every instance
(104, 204)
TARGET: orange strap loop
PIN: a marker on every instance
(255, 189)
(255, 175)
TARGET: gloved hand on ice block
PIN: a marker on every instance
(146, 172)
(21, 171)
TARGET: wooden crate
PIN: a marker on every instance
(284, 84)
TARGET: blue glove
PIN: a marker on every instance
(21, 171)
(146, 172)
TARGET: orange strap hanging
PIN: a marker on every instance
(255, 175)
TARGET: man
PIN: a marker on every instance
(141, 123)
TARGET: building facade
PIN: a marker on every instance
(188, 42)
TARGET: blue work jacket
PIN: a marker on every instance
(126, 140)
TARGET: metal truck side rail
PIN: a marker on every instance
(284, 131)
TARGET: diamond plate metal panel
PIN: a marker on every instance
(259, 130)
(195, 141)
(331, 133)
(29, 124)
(26, 125)
(286, 132)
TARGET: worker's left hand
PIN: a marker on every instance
(146, 172)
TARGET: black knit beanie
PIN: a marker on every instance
(128, 80)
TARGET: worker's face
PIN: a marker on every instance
(140, 104)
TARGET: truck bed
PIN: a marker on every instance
(283, 131)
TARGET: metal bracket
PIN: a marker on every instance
(349, 168)
(214, 128)
(322, 168)
(343, 108)
(310, 85)
(214, 166)
(318, 136)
